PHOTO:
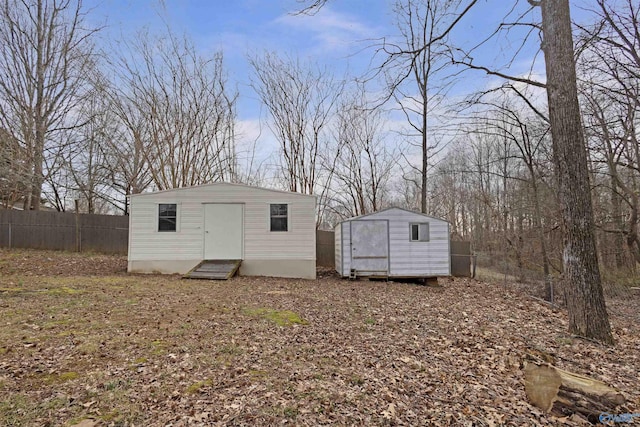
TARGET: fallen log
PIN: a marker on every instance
(563, 393)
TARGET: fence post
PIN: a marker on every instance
(475, 263)
(9, 234)
(76, 201)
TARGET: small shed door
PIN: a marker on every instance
(370, 246)
(223, 231)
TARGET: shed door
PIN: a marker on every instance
(223, 231)
(370, 246)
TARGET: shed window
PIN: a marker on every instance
(167, 215)
(420, 232)
(279, 217)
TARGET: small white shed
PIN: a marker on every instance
(272, 232)
(393, 243)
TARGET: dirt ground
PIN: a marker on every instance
(84, 343)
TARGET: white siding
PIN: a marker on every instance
(146, 243)
(346, 248)
(337, 236)
(418, 258)
(407, 258)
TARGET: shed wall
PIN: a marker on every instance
(337, 236)
(346, 248)
(187, 243)
(418, 258)
(407, 258)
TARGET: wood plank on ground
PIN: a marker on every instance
(214, 270)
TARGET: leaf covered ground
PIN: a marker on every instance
(82, 342)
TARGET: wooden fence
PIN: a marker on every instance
(63, 231)
(462, 259)
(325, 249)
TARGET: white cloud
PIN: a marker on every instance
(332, 30)
(255, 135)
(256, 149)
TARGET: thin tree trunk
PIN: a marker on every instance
(537, 223)
(425, 155)
(39, 120)
(618, 237)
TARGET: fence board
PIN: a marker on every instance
(460, 259)
(104, 233)
(325, 249)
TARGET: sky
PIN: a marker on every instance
(341, 36)
(244, 28)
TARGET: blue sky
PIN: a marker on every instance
(249, 27)
(336, 37)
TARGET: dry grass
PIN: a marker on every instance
(157, 350)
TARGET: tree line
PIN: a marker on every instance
(77, 122)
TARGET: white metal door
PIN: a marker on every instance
(370, 246)
(223, 231)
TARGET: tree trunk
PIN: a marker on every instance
(39, 119)
(618, 237)
(563, 393)
(38, 172)
(425, 158)
(537, 221)
(520, 243)
(585, 300)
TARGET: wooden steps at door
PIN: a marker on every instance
(217, 269)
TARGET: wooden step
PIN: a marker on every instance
(217, 269)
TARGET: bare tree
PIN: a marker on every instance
(177, 111)
(412, 65)
(14, 175)
(310, 7)
(126, 149)
(301, 100)
(616, 149)
(363, 158)
(525, 138)
(88, 162)
(610, 67)
(584, 296)
(450, 190)
(45, 55)
(531, 137)
(618, 30)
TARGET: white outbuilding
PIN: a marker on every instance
(393, 243)
(272, 232)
